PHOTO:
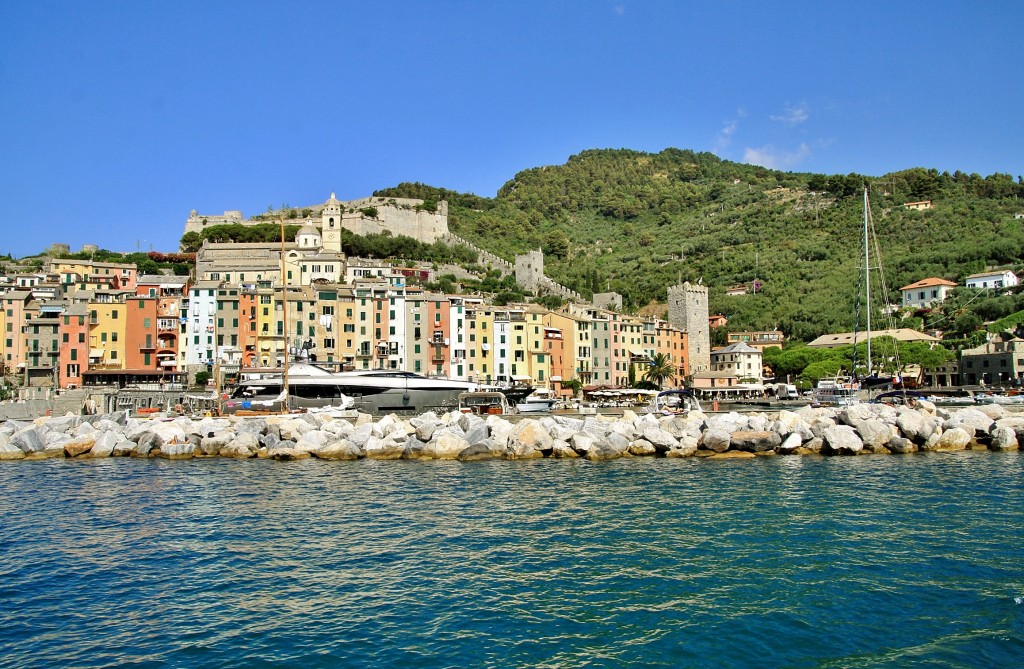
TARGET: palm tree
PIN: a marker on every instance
(661, 368)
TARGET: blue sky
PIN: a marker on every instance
(118, 118)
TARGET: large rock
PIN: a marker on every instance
(178, 451)
(312, 441)
(1004, 439)
(342, 449)
(562, 449)
(582, 443)
(445, 445)
(976, 418)
(874, 433)
(901, 445)
(661, 439)
(915, 426)
(754, 441)
(953, 440)
(528, 439)
(122, 448)
(789, 445)
(244, 445)
(286, 451)
(992, 411)
(79, 446)
(686, 447)
(212, 445)
(292, 429)
(486, 449)
(642, 447)
(841, 440)
(103, 447)
(384, 449)
(9, 451)
(29, 440)
(728, 422)
(717, 440)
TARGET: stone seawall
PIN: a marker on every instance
(857, 430)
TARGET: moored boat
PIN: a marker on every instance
(539, 401)
(370, 391)
(485, 403)
(675, 402)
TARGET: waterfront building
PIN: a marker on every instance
(926, 292)
(141, 334)
(84, 274)
(200, 326)
(576, 342)
(170, 293)
(15, 304)
(416, 336)
(559, 359)
(760, 340)
(996, 279)
(42, 348)
(993, 363)
(671, 342)
(74, 347)
(537, 357)
(108, 318)
(847, 338)
(741, 360)
(600, 340)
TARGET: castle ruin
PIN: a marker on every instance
(370, 215)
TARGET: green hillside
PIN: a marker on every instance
(635, 223)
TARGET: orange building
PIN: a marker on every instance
(438, 327)
(140, 335)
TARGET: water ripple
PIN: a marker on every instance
(802, 562)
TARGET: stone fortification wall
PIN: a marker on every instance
(485, 258)
(399, 216)
(197, 222)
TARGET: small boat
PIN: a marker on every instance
(541, 400)
(899, 397)
(1007, 399)
(840, 391)
(485, 404)
(676, 402)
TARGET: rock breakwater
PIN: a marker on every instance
(854, 430)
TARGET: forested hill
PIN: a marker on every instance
(635, 223)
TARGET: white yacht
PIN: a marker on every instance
(368, 390)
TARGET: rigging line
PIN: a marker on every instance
(980, 293)
(871, 240)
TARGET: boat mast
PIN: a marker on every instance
(284, 301)
(867, 276)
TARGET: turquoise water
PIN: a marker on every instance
(788, 561)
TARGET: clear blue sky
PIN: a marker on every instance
(118, 118)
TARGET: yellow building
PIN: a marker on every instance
(107, 328)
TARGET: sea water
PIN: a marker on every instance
(786, 561)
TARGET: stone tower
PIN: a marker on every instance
(530, 270)
(688, 309)
(331, 225)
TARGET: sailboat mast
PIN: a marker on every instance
(867, 276)
(284, 300)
